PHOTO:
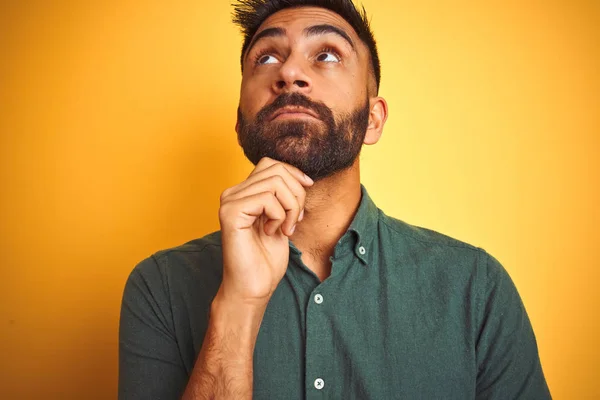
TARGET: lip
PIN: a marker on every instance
(293, 112)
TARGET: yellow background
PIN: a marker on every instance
(116, 121)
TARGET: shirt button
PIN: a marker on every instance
(318, 299)
(319, 383)
(362, 250)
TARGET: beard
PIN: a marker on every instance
(317, 148)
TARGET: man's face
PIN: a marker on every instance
(304, 96)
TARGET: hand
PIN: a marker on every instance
(257, 217)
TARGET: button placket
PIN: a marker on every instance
(318, 339)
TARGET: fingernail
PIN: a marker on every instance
(308, 179)
(301, 217)
(292, 230)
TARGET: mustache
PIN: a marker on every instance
(295, 99)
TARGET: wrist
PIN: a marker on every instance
(229, 299)
(230, 315)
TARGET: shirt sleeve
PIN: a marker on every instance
(507, 353)
(150, 364)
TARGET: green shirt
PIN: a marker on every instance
(407, 313)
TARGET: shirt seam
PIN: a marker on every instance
(481, 294)
(164, 253)
(168, 296)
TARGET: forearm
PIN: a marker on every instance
(224, 368)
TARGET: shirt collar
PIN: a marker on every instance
(362, 230)
(359, 236)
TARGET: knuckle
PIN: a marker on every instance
(281, 169)
(268, 197)
(277, 207)
(301, 195)
(265, 160)
(278, 180)
(224, 212)
(224, 195)
(282, 215)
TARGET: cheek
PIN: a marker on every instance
(340, 88)
(350, 80)
(255, 92)
(251, 100)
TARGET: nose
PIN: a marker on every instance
(292, 77)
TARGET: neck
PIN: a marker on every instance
(330, 206)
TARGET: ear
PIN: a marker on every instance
(377, 117)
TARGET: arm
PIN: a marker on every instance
(507, 354)
(223, 369)
(150, 365)
(257, 217)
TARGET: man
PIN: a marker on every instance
(309, 290)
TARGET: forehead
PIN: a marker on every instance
(295, 19)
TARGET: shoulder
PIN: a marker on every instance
(192, 252)
(197, 261)
(428, 250)
(208, 243)
(444, 258)
(405, 234)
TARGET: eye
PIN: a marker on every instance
(266, 59)
(328, 56)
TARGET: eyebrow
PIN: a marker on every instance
(325, 29)
(314, 30)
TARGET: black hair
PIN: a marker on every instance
(250, 14)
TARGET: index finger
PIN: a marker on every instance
(267, 162)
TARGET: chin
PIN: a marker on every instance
(296, 127)
(293, 149)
